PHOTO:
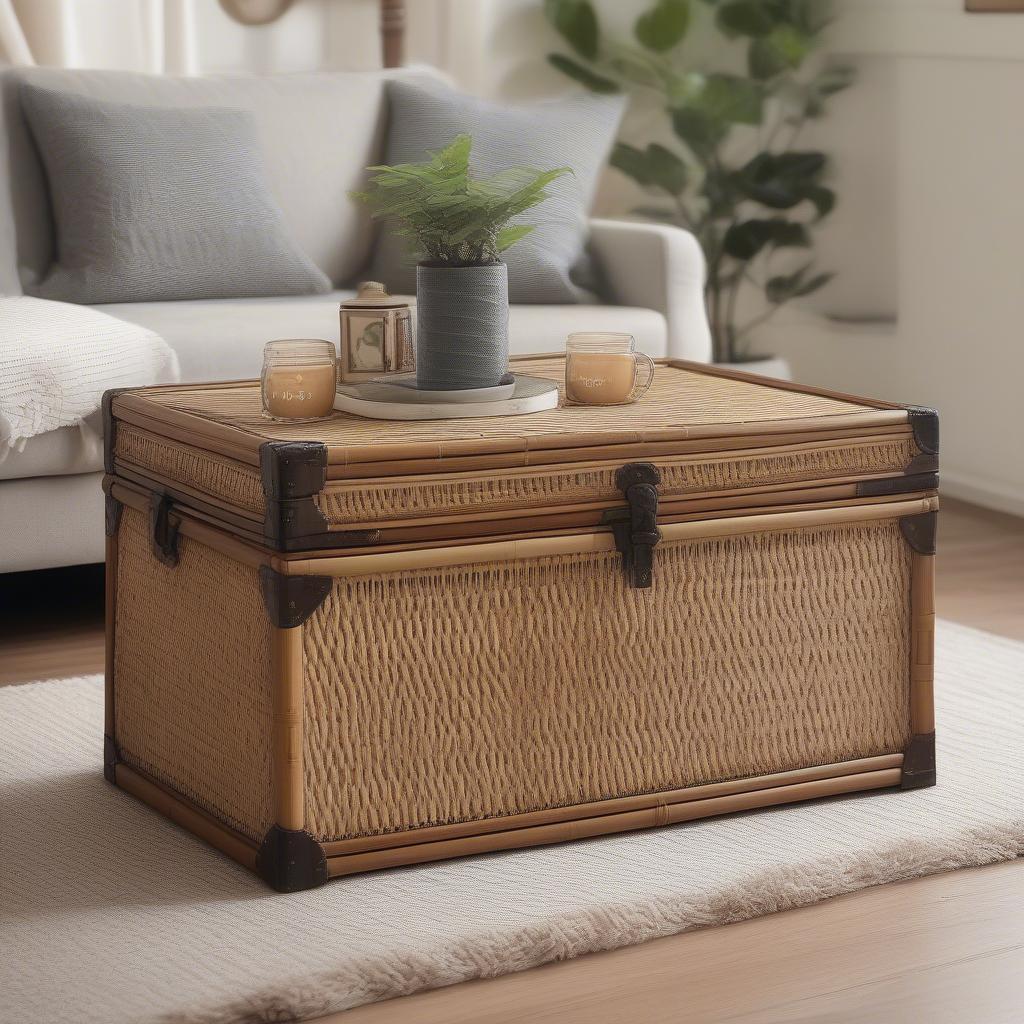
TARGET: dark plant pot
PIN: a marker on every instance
(461, 327)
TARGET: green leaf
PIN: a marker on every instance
(664, 25)
(809, 16)
(654, 166)
(591, 79)
(762, 60)
(824, 199)
(719, 192)
(698, 130)
(667, 171)
(631, 161)
(576, 22)
(731, 98)
(510, 235)
(660, 213)
(814, 283)
(745, 240)
(782, 287)
(722, 97)
(751, 18)
(454, 158)
(783, 49)
(791, 286)
(635, 66)
(834, 78)
(781, 180)
(800, 163)
(681, 90)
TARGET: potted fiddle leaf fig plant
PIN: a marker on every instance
(458, 225)
(725, 160)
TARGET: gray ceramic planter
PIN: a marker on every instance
(461, 327)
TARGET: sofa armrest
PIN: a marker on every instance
(661, 267)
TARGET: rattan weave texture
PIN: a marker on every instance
(454, 694)
(237, 484)
(371, 501)
(677, 398)
(192, 676)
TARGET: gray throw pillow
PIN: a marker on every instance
(575, 132)
(153, 204)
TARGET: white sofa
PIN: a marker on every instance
(319, 131)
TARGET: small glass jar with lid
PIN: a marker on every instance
(299, 378)
(376, 335)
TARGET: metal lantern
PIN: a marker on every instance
(376, 335)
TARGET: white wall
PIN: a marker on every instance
(957, 194)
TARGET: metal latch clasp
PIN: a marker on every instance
(635, 528)
(164, 529)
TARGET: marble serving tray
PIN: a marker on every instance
(401, 401)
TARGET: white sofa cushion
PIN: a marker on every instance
(660, 267)
(48, 521)
(545, 328)
(222, 339)
(61, 452)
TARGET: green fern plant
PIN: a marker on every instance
(450, 218)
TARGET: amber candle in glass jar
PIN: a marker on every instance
(299, 378)
(603, 368)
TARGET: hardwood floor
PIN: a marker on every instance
(51, 623)
(980, 571)
(948, 949)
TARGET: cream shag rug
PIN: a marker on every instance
(110, 914)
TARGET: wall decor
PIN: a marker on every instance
(255, 12)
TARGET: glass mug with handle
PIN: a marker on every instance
(604, 368)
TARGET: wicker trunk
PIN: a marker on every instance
(347, 645)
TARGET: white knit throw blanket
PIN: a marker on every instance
(57, 359)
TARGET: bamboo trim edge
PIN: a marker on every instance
(240, 848)
(611, 806)
(594, 542)
(662, 814)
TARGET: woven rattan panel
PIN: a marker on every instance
(444, 695)
(379, 501)
(192, 676)
(223, 478)
(677, 398)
